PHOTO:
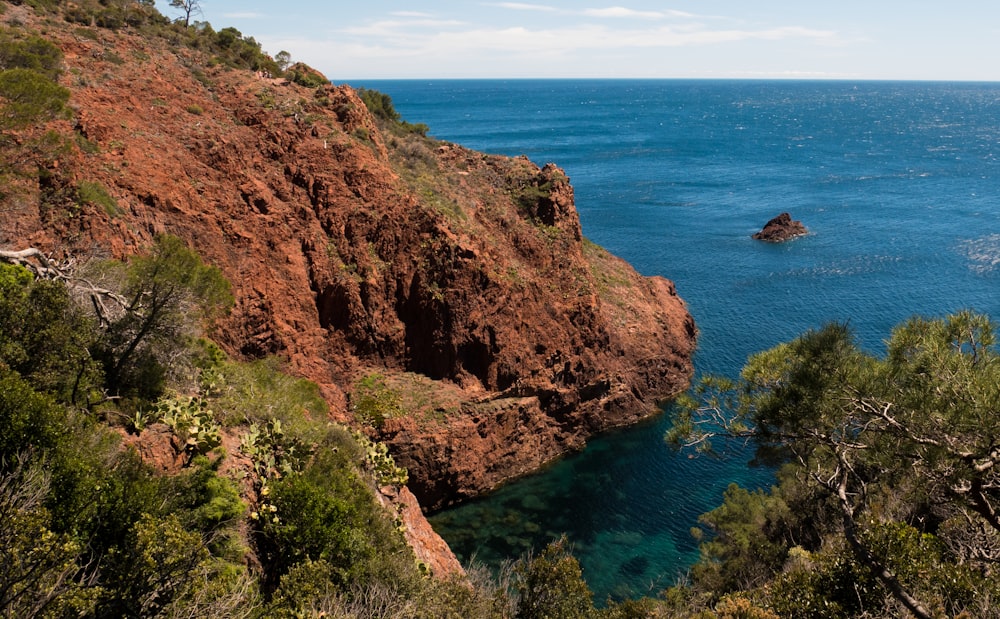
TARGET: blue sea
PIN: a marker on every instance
(899, 184)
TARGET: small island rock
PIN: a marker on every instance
(781, 228)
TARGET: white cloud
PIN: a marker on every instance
(400, 29)
(620, 11)
(520, 6)
(411, 43)
(614, 11)
(435, 35)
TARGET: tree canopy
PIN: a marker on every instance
(910, 439)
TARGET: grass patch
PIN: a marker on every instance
(414, 159)
(260, 392)
(88, 192)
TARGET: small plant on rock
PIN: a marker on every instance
(192, 422)
(274, 455)
(380, 463)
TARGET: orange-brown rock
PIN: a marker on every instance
(427, 545)
(354, 248)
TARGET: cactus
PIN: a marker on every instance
(192, 422)
(380, 463)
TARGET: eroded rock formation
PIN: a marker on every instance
(355, 248)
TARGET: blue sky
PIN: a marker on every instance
(807, 39)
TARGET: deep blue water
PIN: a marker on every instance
(899, 184)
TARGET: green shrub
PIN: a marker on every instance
(30, 52)
(379, 104)
(38, 563)
(89, 192)
(552, 585)
(28, 419)
(86, 146)
(381, 107)
(163, 561)
(45, 337)
(85, 33)
(29, 97)
(329, 513)
(210, 504)
(304, 75)
(373, 401)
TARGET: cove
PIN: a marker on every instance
(896, 182)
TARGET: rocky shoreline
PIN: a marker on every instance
(355, 248)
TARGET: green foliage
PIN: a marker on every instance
(833, 583)
(234, 50)
(643, 608)
(28, 51)
(284, 59)
(307, 590)
(551, 585)
(381, 107)
(91, 498)
(304, 75)
(41, 573)
(28, 419)
(742, 554)
(115, 14)
(208, 503)
(45, 336)
(529, 195)
(162, 556)
(741, 607)
(192, 422)
(379, 104)
(168, 291)
(328, 513)
(28, 98)
(29, 68)
(89, 192)
(373, 401)
(887, 447)
(260, 392)
(380, 462)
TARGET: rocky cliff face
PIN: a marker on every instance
(353, 248)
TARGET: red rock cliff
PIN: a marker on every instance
(461, 277)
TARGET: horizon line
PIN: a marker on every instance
(679, 79)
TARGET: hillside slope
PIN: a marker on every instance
(459, 283)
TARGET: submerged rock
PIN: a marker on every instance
(781, 228)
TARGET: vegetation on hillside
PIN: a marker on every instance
(888, 493)
(266, 508)
(89, 529)
(381, 107)
(886, 502)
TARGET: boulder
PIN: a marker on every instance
(781, 228)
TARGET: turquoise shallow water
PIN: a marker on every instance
(898, 183)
